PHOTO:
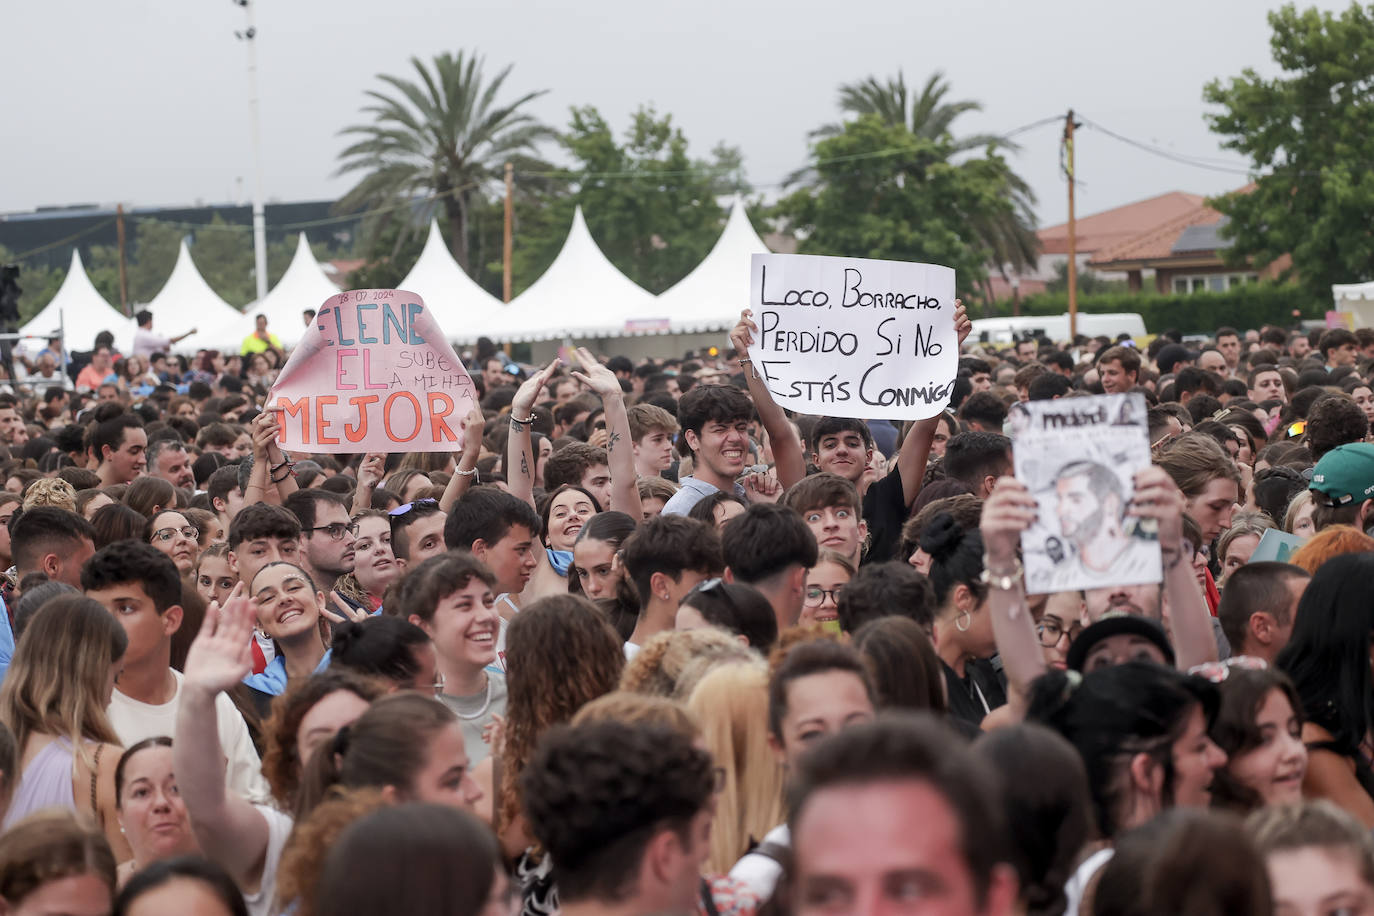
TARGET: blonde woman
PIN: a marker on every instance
(1298, 517)
(730, 704)
(54, 699)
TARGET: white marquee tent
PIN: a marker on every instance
(81, 312)
(1357, 298)
(711, 296)
(581, 295)
(303, 286)
(454, 298)
(186, 301)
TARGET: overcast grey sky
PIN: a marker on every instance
(145, 101)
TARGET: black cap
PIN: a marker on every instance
(1171, 355)
(1117, 624)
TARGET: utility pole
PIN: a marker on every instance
(123, 278)
(248, 36)
(507, 248)
(1073, 229)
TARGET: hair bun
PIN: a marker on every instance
(941, 536)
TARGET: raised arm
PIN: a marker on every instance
(1190, 622)
(624, 480)
(230, 831)
(915, 450)
(519, 451)
(466, 472)
(1009, 510)
(280, 475)
(369, 475)
(788, 459)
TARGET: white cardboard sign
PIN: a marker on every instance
(852, 337)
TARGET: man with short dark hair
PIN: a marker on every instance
(715, 432)
(1265, 383)
(624, 812)
(140, 587)
(327, 535)
(1334, 420)
(168, 459)
(262, 534)
(887, 589)
(1228, 345)
(853, 801)
(417, 532)
(772, 549)
(261, 339)
(977, 460)
(52, 541)
(581, 465)
(226, 494)
(1339, 347)
(664, 559)
(13, 432)
(501, 531)
(829, 505)
(983, 411)
(1118, 369)
(978, 371)
(146, 343)
(119, 445)
(1259, 608)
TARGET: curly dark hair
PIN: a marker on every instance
(595, 794)
(561, 653)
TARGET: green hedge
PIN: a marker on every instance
(1196, 313)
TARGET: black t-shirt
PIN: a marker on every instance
(980, 691)
(885, 511)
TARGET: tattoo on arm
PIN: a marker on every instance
(524, 465)
(611, 440)
(516, 426)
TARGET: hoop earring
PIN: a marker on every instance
(963, 621)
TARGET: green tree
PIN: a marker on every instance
(38, 284)
(879, 190)
(928, 115)
(1306, 133)
(651, 207)
(444, 138)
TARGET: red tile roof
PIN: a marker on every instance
(1158, 242)
(1114, 227)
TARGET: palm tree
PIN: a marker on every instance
(1008, 234)
(444, 139)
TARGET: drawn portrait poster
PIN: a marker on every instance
(1079, 457)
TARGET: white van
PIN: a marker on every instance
(1056, 327)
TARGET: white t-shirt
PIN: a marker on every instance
(278, 829)
(133, 721)
(758, 872)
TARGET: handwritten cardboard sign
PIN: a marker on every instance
(852, 337)
(1078, 456)
(373, 374)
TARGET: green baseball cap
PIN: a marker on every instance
(1344, 475)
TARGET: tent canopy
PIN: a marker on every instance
(82, 312)
(186, 301)
(581, 295)
(452, 297)
(711, 297)
(303, 286)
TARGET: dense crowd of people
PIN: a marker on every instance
(650, 644)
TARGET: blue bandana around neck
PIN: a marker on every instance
(560, 560)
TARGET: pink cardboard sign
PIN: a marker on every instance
(374, 374)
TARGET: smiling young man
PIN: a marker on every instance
(141, 589)
(715, 432)
(1118, 369)
(119, 444)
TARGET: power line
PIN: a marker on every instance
(1180, 158)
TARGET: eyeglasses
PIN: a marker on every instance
(1216, 672)
(411, 507)
(166, 534)
(338, 529)
(1050, 632)
(815, 596)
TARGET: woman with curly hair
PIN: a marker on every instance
(560, 654)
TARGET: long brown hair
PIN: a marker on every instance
(57, 681)
(560, 654)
